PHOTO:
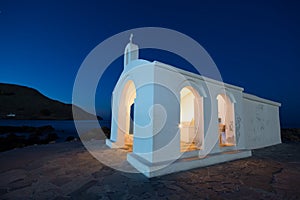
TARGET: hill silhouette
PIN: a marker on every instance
(21, 102)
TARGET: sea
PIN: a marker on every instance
(63, 128)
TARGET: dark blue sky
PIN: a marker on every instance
(255, 44)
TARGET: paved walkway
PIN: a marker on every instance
(68, 171)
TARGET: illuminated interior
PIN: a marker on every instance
(191, 120)
(226, 121)
(126, 115)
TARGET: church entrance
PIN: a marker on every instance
(126, 115)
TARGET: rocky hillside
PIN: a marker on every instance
(20, 102)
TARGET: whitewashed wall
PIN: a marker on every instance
(261, 122)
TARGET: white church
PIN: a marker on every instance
(170, 120)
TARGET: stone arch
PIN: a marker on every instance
(195, 85)
(191, 119)
(126, 101)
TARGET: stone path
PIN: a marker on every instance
(68, 171)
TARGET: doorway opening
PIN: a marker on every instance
(126, 115)
(191, 120)
(226, 121)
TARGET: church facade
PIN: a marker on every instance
(172, 120)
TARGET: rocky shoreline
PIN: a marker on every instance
(20, 136)
(12, 137)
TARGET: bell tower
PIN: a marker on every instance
(131, 52)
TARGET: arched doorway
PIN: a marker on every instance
(126, 114)
(226, 121)
(191, 120)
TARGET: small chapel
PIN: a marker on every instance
(170, 120)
